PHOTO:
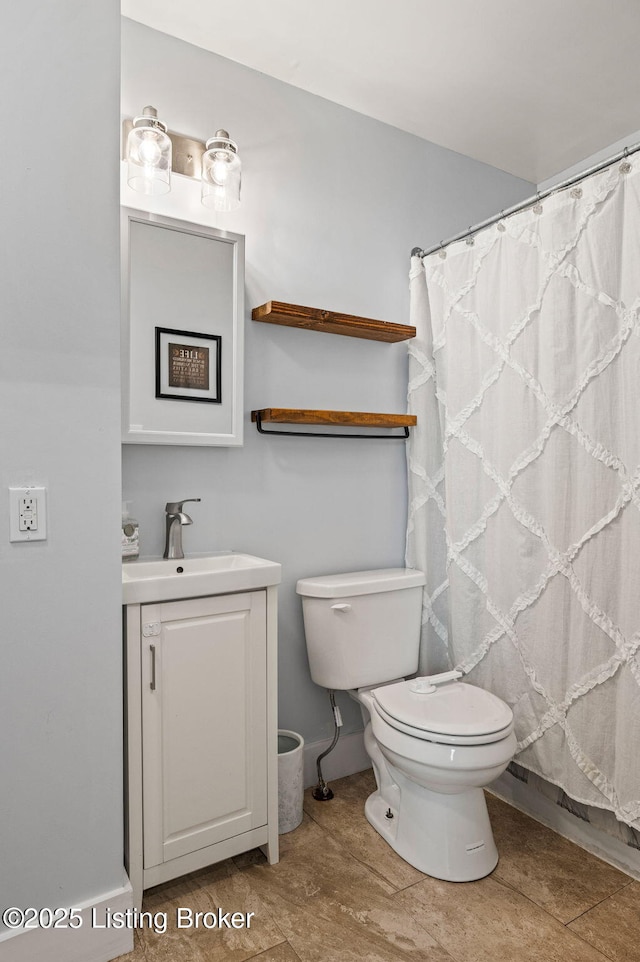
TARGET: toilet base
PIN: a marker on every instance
(446, 836)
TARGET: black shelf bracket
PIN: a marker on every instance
(327, 434)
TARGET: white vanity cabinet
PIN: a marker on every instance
(201, 733)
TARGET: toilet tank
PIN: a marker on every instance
(363, 627)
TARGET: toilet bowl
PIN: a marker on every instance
(434, 742)
(429, 804)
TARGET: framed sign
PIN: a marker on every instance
(182, 332)
(188, 365)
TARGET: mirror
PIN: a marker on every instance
(182, 337)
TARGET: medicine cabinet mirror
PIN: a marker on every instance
(183, 328)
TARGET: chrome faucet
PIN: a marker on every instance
(175, 518)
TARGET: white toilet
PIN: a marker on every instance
(434, 742)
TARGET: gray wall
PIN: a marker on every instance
(60, 676)
(332, 204)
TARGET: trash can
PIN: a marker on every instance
(290, 780)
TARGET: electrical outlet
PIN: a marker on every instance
(27, 514)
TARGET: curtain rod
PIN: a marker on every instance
(418, 252)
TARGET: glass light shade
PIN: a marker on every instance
(149, 156)
(221, 174)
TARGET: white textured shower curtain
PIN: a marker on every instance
(524, 477)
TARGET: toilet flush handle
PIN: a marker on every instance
(341, 607)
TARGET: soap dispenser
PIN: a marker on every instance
(130, 534)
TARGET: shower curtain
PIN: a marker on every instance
(524, 477)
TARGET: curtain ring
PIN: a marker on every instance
(470, 240)
(442, 254)
(625, 166)
(537, 207)
(501, 227)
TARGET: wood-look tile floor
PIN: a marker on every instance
(339, 893)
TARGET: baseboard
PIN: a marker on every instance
(544, 810)
(88, 943)
(347, 758)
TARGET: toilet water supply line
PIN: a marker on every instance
(322, 792)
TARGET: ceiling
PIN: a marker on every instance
(530, 86)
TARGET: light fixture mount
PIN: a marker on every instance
(149, 118)
(222, 141)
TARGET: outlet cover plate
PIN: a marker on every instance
(16, 498)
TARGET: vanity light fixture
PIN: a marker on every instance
(152, 152)
(149, 155)
(221, 173)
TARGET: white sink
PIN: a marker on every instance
(195, 576)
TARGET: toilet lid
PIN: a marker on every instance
(455, 708)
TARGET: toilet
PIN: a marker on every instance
(434, 742)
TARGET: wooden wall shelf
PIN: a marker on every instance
(315, 319)
(351, 419)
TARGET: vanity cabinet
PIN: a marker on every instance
(201, 733)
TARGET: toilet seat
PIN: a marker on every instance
(456, 713)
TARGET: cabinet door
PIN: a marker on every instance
(204, 722)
